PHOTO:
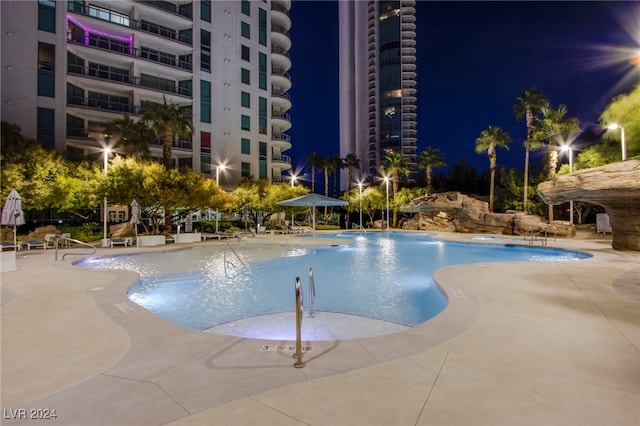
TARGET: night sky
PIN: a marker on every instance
(474, 60)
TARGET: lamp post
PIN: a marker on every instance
(386, 180)
(105, 216)
(568, 148)
(615, 126)
(293, 183)
(218, 168)
(360, 199)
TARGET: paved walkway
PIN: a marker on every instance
(519, 344)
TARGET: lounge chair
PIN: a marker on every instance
(35, 244)
(50, 240)
(120, 241)
(10, 246)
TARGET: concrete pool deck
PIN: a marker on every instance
(519, 343)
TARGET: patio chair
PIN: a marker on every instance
(35, 244)
(120, 241)
(50, 240)
(10, 246)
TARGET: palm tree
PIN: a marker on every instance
(336, 166)
(168, 121)
(555, 127)
(314, 161)
(394, 165)
(431, 158)
(490, 139)
(350, 162)
(530, 104)
(133, 137)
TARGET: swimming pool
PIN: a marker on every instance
(380, 275)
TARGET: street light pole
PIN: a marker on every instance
(568, 148)
(360, 199)
(293, 183)
(615, 126)
(218, 168)
(105, 216)
(386, 180)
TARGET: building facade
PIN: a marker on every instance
(377, 83)
(70, 67)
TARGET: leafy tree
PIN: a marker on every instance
(133, 137)
(168, 121)
(261, 199)
(394, 165)
(157, 190)
(431, 158)
(490, 139)
(555, 127)
(530, 104)
(373, 200)
(350, 162)
(625, 111)
(404, 196)
(315, 161)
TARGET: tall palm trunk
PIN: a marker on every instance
(395, 191)
(167, 145)
(492, 167)
(526, 181)
(428, 171)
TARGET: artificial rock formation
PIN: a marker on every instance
(456, 212)
(616, 187)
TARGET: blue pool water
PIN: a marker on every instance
(379, 275)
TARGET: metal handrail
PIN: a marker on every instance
(228, 262)
(56, 240)
(306, 247)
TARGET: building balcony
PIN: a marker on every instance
(281, 121)
(281, 99)
(280, 58)
(124, 20)
(280, 17)
(178, 144)
(282, 162)
(155, 57)
(280, 78)
(183, 10)
(114, 79)
(282, 141)
(280, 40)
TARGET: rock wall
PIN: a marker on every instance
(456, 212)
(616, 187)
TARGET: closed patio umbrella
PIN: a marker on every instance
(135, 217)
(12, 214)
(313, 200)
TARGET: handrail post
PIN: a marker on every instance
(298, 363)
(312, 292)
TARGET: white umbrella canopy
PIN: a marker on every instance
(12, 214)
(135, 216)
(313, 200)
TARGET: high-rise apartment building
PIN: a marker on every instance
(377, 82)
(70, 67)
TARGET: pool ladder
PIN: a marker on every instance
(228, 262)
(56, 244)
(541, 235)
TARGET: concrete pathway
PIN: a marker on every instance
(520, 343)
